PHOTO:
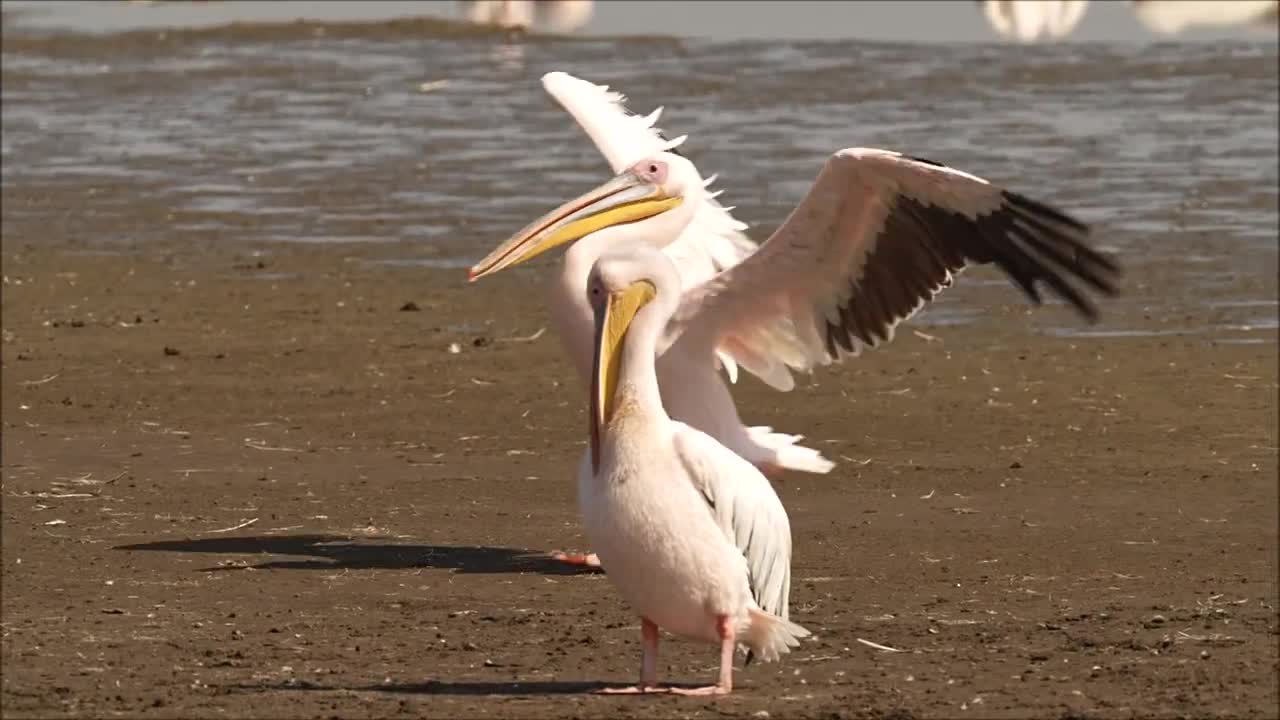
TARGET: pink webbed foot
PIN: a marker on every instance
(580, 559)
(702, 691)
(633, 690)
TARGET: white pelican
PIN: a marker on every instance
(564, 15)
(700, 236)
(878, 235)
(1170, 18)
(691, 534)
(1031, 20)
(555, 15)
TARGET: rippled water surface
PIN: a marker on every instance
(442, 140)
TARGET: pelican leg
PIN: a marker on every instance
(649, 656)
(727, 644)
(648, 664)
(583, 559)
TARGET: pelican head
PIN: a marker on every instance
(622, 285)
(651, 201)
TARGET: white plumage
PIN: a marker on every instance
(704, 240)
(555, 15)
(692, 535)
(714, 239)
(878, 235)
(1171, 17)
(1032, 20)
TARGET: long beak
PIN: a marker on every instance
(612, 323)
(626, 198)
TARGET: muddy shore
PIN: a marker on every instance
(260, 483)
(267, 454)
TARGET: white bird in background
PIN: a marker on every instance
(692, 535)
(564, 15)
(878, 236)
(1168, 17)
(557, 15)
(1031, 20)
(1035, 20)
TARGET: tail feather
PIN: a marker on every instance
(769, 636)
(782, 450)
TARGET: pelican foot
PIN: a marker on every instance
(633, 690)
(702, 691)
(581, 559)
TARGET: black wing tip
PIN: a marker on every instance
(1026, 204)
(1107, 261)
(1046, 247)
(1108, 287)
(1038, 247)
(1100, 269)
(1088, 311)
(1076, 301)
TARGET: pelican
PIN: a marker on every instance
(699, 235)
(1171, 18)
(555, 15)
(691, 534)
(507, 14)
(1030, 20)
(876, 238)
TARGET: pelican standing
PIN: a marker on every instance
(876, 238)
(691, 534)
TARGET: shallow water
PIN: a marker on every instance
(442, 141)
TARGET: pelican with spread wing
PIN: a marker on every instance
(691, 534)
(700, 236)
(876, 238)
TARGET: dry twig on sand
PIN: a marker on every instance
(264, 446)
(244, 524)
(878, 646)
(51, 378)
(524, 338)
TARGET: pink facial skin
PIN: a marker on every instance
(654, 171)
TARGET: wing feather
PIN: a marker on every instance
(714, 239)
(747, 510)
(877, 237)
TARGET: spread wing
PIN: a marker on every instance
(876, 238)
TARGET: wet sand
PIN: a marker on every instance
(255, 484)
(245, 475)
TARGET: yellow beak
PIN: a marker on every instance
(612, 323)
(626, 198)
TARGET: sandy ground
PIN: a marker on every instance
(258, 485)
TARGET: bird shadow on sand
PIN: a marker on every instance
(465, 688)
(341, 552)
